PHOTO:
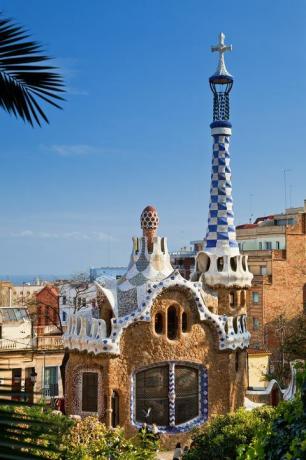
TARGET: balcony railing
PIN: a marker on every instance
(262, 279)
(51, 390)
(50, 343)
(35, 343)
(16, 344)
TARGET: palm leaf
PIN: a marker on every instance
(26, 79)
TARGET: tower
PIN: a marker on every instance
(220, 264)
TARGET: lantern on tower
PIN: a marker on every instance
(221, 83)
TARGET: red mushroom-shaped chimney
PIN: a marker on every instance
(149, 223)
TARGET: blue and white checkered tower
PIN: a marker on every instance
(221, 232)
(220, 260)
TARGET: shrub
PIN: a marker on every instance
(220, 438)
(283, 439)
(89, 439)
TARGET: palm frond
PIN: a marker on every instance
(26, 80)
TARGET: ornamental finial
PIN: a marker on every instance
(221, 48)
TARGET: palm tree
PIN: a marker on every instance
(26, 79)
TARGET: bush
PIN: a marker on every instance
(91, 440)
(220, 438)
(283, 439)
(36, 431)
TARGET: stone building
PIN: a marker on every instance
(46, 308)
(24, 355)
(164, 349)
(74, 294)
(21, 295)
(276, 250)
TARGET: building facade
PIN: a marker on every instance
(76, 294)
(164, 349)
(276, 250)
(29, 363)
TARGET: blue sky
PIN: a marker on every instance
(135, 125)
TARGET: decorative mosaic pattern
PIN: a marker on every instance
(203, 399)
(229, 338)
(149, 218)
(171, 394)
(127, 301)
(221, 232)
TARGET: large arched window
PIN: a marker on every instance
(170, 394)
(172, 317)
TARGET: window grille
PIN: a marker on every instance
(152, 395)
(186, 394)
(167, 395)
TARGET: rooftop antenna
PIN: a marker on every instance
(251, 207)
(290, 195)
(285, 171)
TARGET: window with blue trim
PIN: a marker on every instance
(167, 394)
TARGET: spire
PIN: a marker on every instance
(221, 232)
(221, 262)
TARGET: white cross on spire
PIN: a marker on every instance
(221, 48)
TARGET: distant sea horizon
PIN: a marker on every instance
(31, 279)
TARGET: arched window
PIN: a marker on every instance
(172, 322)
(159, 326)
(232, 299)
(233, 262)
(169, 393)
(220, 264)
(184, 322)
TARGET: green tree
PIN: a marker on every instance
(27, 83)
(220, 438)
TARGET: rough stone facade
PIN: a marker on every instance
(142, 346)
